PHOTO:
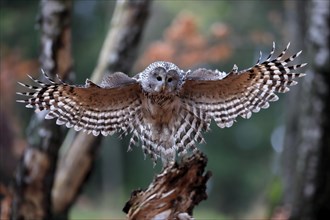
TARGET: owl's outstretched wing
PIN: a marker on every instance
(101, 109)
(225, 96)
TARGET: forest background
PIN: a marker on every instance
(246, 160)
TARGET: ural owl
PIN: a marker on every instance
(164, 107)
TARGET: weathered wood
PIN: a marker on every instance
(174, 193)
(35, 173)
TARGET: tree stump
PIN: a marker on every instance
(173, 193)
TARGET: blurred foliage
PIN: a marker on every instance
(213, 34)
(184, 44)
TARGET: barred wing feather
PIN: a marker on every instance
(225, 96)
(90, 108)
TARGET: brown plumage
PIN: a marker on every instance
(164, 107)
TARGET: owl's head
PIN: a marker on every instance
(162, 77)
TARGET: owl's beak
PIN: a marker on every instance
(163, 87)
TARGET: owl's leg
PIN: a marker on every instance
(168, 156)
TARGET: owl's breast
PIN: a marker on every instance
(159, 109)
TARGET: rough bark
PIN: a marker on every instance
(307, 146)
(5, 202)
(117, 54)
(35, 173)
(174, 192)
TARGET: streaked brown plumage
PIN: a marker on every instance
(164, 107)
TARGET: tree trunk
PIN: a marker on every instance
(35, 173)
(117, 54)
(306, 154)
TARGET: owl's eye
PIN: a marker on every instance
(169, 80)
(159, 78)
